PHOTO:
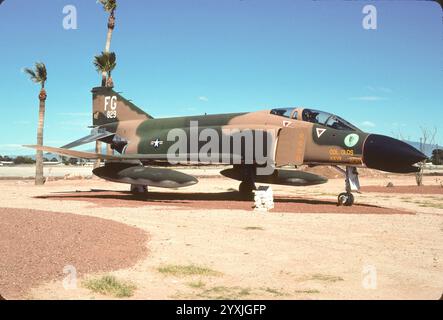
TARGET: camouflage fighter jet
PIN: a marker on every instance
(251, 141)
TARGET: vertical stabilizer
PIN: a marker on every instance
(110, 107)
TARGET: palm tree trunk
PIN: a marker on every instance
(98, 149)
(109, 36)
(39, 179)
(111, 24)
(98, 144)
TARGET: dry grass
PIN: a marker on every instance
(110, 286)
(320, 277)
(254, 228)
(309, 291)
(196, 284)
(187, 270)
(427, 204)
(325, 277)
(225, 293)
(275, 292)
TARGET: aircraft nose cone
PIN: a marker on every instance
(389, 154)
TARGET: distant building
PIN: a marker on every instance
(51, 163)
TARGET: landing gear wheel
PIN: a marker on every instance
(246, 188)
(138, 189)
(345, 199)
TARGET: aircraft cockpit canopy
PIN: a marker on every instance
(285, 112)
(315, 116)
(327, 119)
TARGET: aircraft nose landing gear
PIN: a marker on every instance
(345, 199)
(352, 184)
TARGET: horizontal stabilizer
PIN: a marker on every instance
(88, 139)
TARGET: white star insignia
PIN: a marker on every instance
(156, 143)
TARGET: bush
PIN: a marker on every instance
(23, 160)
(437, 157)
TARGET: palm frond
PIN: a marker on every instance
(31, 74)
(112, 61)
(41, 71)
(109, 5)
(105, 62)
(99, 63)
(38, 74)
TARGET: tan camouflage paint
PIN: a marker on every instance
(293, 138)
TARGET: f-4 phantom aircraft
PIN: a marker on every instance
(257, 145)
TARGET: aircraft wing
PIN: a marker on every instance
(128, 172)
(74, 153)
(92, 155)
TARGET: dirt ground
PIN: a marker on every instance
(389, 246)
(39, 245)
(406, 189)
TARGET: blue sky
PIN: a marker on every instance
(194, 56)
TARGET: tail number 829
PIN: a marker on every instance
(111, 107)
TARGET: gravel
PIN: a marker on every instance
(405, 189)
(35, 246)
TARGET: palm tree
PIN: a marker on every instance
(104, 64)
(109, 6)
(39, 75)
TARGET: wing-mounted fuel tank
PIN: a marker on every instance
(136, 174)
(279, 176)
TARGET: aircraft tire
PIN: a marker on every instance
(246, 188)
(138, 189)
(345, 199)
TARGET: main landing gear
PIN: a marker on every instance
(351, 183)
(247, 186)
(138, 189)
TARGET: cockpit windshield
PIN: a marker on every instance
(283, 112)
(315, 116)
(327, 119)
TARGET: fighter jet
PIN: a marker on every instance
(262, 146)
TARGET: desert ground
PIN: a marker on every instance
(203, 242)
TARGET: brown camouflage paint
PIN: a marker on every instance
(296, 142)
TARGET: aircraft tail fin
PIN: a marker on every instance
(110, 107)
